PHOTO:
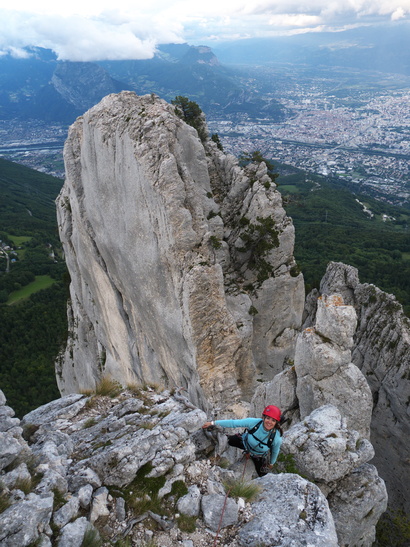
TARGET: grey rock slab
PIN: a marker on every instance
(215, 515)
(22, 523)
(85, 493)
(99, 504)
(289, 512)
(72, 535)
(83, 476)
(10, 449)
(20, 473)
(67, 512)
(190, 504)
(64, 408)
(323, 448)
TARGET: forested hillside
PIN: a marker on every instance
(33, 287)
(334, 224)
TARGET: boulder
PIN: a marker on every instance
(357, 503)
(23, 522)
(219, 512)
(323, 448)
(289, 511)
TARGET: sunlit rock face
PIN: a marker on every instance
(170, 283)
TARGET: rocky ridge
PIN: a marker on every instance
(136, 466)
(181, 262)
(381, 350)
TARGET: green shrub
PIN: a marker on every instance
(393, 530)
(215, 242)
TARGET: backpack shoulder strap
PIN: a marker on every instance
(271, 438)
(252, 430)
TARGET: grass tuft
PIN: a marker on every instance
(186, 523)
(4, 502)
(91, 538)
(108, 387)
(25, 485)
(238, 488)
(89, 423)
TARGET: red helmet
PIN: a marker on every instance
(273, 412)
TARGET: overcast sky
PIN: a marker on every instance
(90, 30)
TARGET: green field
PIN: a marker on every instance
(19, 240)
(41, 282)
(289, 189)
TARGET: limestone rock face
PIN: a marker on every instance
(381, 350)
(335, 458)
(356, 505)
(181, 262)
(325, 373)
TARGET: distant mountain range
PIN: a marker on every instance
(383, 48)
(41, 87)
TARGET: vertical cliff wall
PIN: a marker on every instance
(181, 262)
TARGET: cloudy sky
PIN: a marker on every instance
(89, 30)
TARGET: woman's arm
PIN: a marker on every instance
(246, 422)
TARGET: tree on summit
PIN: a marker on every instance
(257, 157)
(191, 113)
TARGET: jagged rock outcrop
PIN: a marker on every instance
(328, 399)
(97, 466)
(325, 373)
(381, 350)
(181, 262)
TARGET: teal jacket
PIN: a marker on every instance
(251, 442)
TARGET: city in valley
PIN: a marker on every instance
(336, 126)
(343, 124)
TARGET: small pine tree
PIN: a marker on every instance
(215, 138)
(191, 113)
(257, 157)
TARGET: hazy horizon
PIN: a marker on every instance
(96, 31)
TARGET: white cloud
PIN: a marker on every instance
(295, 20)
(399, 13)
(87, 30)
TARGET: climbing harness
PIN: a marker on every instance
(261, 443)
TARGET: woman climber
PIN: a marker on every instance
(262, 435)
